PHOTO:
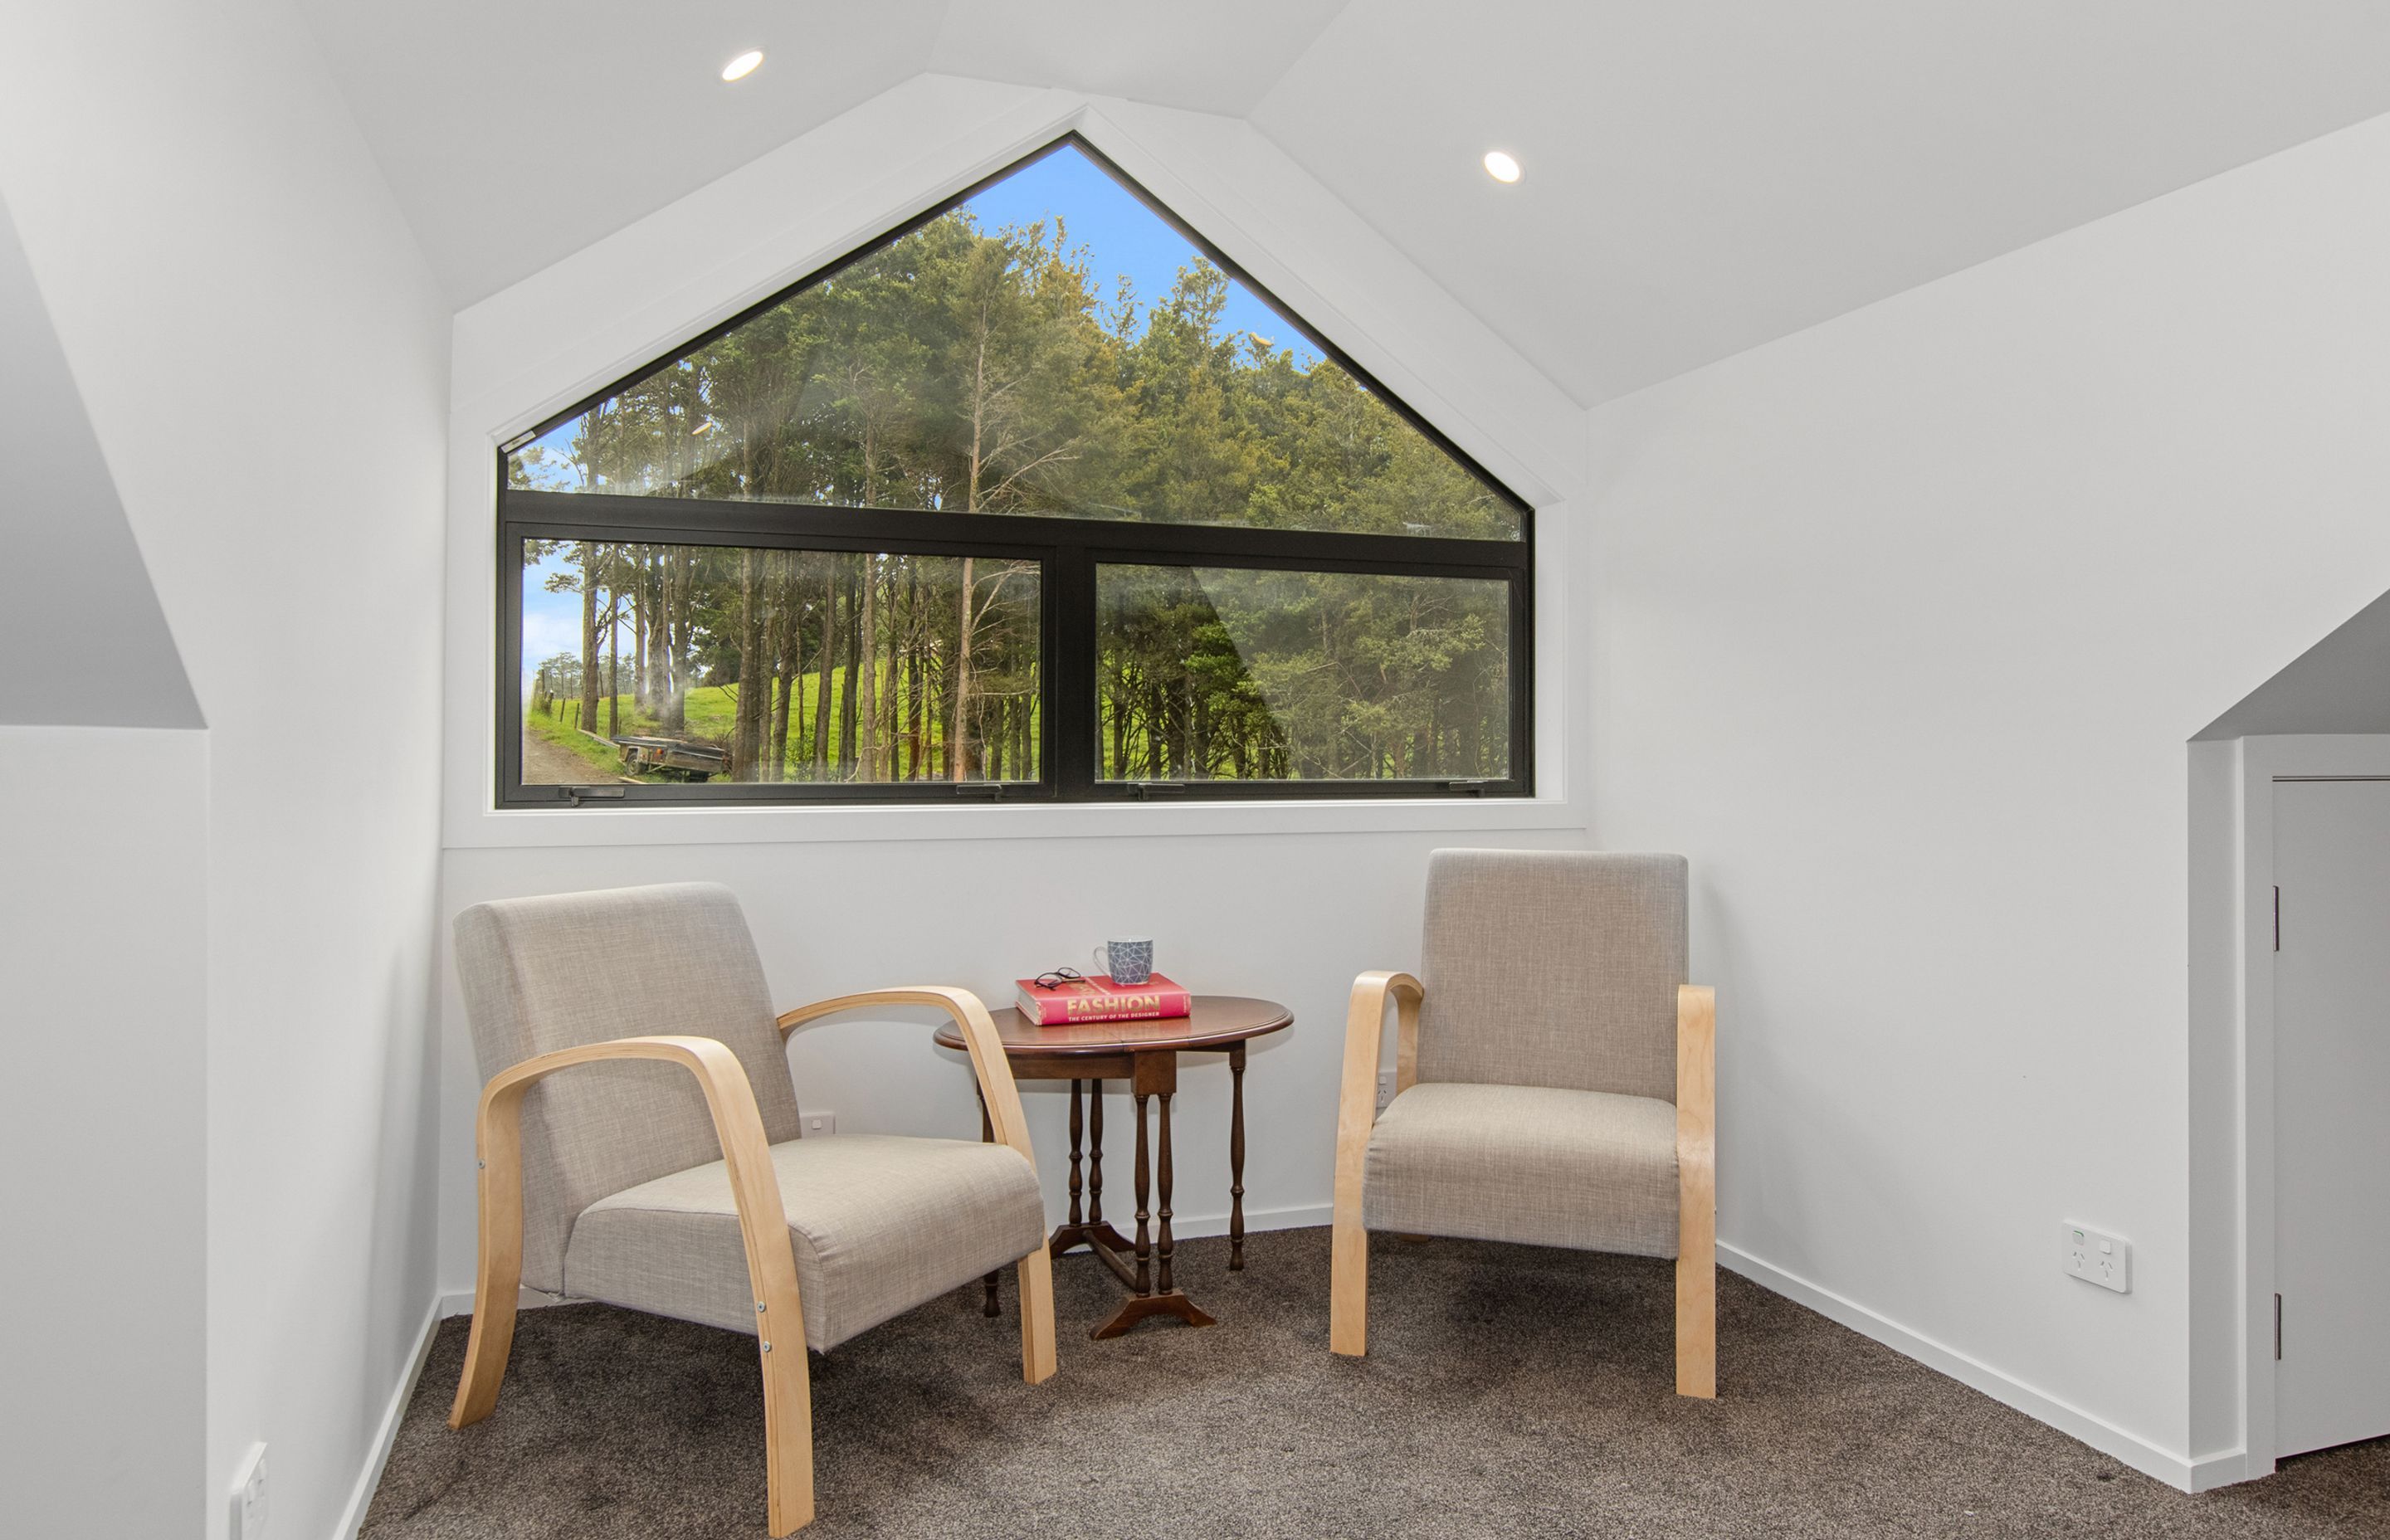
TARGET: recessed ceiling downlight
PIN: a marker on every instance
(743, 66)
(1500, 166)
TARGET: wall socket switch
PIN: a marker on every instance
(2096, 1258)
(1385, 1089)
(820, 1125)
(249, 1497)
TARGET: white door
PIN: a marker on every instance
(2332, 1112)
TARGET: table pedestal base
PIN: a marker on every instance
(1139, 1306)
(1146, 1056)
(1098, 1235)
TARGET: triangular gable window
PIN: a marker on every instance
(1049, 345)
(1273, 577)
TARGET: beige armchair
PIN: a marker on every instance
(638, 1143)
(1554, 1082)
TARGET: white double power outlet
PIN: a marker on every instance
(820, 1125)
(2096, 1258)
(249, 1497)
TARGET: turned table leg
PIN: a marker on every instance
(1095, 1155)
(1236, 1159)
(1162, 1251)
(1144, 1181)
(1074, 1153)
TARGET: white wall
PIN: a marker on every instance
(262, 356)
(1901, 625)
(102, 1120)
(1284, 901)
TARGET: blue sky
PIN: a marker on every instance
(1123, 237)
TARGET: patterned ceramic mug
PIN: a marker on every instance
(1129, 962)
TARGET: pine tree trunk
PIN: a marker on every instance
(958, 735)
(782, 647)
(827, 662)
(614, 666)
(847, 698)
(642, 619)
(755, 685)
(679, 577)
(866, 709)
(587, 721)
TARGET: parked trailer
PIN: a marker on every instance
(676, 758)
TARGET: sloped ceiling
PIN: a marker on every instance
(1702, 177)
(1706, 176)
(2341, 684)
(514, 132)
(85, 638)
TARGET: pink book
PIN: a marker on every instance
(1099, 999)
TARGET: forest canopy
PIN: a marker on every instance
(989, 371)
(964, 368)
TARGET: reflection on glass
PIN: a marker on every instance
(1224, 674)
(708, 663)
(1052, 346)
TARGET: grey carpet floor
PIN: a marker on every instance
(1510, 1391)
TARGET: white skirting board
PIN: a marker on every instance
(353, 1518)
(1198, 1227)
(2106, 1437)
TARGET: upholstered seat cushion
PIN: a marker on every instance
(879, 1222)
(1591, 1169)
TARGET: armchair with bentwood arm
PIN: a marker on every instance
(1554, 1082)
(638, 1144)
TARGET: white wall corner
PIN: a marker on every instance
(385, 1434)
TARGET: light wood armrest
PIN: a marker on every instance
(978, 1029)
(763, 1223)
(1365, 1024)
(1696, 1190)
(1356, 1113)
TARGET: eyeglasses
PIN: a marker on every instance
(1060, 977)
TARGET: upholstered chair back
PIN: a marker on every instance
(541, 974)
(1553, 968)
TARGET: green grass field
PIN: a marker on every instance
(712, 711)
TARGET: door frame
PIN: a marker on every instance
(2265, 762)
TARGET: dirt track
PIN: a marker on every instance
(547, 765)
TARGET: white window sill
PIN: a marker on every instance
(490, 829)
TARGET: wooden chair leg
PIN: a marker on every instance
(486, 1348)
(1697, 1323)
(1348, 1289)
(788, 1434)
(1348, 1263)
(498, 1281)
(1037, 1317)
(1696, 1192)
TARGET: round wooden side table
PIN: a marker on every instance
(1146, 1055)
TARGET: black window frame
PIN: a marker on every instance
(1067, 551)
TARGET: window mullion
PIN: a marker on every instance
(1070, 680)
